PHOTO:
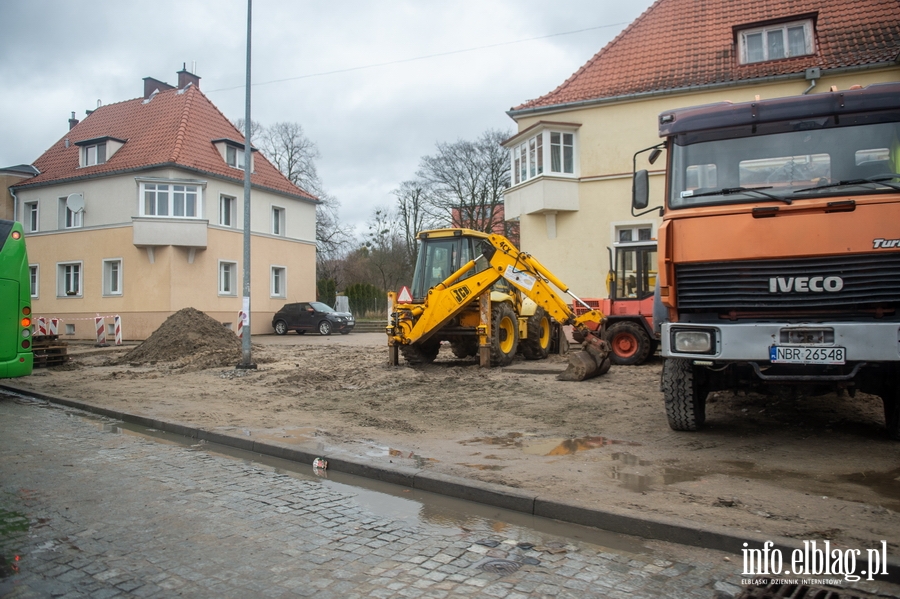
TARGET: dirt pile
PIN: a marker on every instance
(189, 339)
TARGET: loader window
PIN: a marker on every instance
(439, 258)
(635, 275)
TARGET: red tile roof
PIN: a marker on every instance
(174, 129)
(678, 44)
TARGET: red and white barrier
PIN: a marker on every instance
(240, 324)
(118, 327)
(54, 326)
(100, 326)
(41, 326)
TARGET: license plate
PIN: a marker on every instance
(786, 354)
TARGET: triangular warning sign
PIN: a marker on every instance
(404, 297)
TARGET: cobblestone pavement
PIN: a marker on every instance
(85, 512)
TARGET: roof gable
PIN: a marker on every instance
(678, 44)
(171, 128)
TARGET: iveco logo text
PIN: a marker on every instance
(805, 284)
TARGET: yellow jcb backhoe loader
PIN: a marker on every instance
(485, 297)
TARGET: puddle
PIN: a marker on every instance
(420, 461)
(886, 484)
(641, 482)
(546, 447)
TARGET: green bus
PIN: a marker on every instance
(16, 358)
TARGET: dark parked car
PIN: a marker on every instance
(311, 316)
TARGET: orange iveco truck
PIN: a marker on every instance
(779, 250)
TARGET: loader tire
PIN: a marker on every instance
(416, 354)
(504, 335)
(685, 397)
(630, 343)
(537, 345)
(464, 348)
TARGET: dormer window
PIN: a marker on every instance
(233, 153)
(773, 42)
(98, 150)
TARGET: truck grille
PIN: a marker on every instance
(867, 281)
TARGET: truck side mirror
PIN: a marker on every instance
(640, 190)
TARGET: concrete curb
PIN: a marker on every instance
(672, 530)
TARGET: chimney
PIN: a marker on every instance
(72, 121)
(151, 85)
(184, 77)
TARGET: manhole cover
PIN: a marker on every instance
(796, 591)
(502, 567)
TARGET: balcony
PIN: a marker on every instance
(181, 232)
(541, 195)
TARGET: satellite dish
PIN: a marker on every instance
(75, 202)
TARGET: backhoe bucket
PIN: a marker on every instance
(593, 360)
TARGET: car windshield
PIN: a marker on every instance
(785, 161)
(320, 307)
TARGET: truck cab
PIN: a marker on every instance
(779, 261)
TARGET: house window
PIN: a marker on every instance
(68, 218)
(94, 154)
(68, 283)
(277, 221)
(562, 152)
(31, 217)
(234, 157)
(772, 42)
(278, 288)
(529, 157)
(628, 234)
(35, 279)
(226, 211)
(165, 199)
(227, 278)
(112, 277)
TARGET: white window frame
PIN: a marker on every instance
(278, 220)
(230, 211)
(533, 157)
(275, 273)
(108, 280)
(34, 278)
(635, 227)
(766, 30)
(32, 217)
(91, 155)
(68, 218)
(234, 157)
(63, 277)
(171, 190)
(229, 268)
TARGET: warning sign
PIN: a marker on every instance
(404, 297)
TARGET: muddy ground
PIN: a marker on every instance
(821, 468)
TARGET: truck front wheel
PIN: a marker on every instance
(685, 397)
(891, 399)
(630, 343)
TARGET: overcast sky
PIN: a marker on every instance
(446, 70)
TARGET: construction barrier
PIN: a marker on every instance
(240, 325)
(41, 325)
(54, 326)
(118, 327)
(100, 325)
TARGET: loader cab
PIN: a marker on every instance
(634, 276)
(441, 253)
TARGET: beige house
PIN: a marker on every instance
(137, 211)
(572, 157)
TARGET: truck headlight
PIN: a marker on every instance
(692, 341)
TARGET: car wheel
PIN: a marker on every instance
(630, 343)
(324, 328)
(280, 327)
(685, 395)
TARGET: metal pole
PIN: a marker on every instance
(246, 361)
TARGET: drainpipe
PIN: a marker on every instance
(15, 203)
(812, 74)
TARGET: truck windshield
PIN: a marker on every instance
(789, 161)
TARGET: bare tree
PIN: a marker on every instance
(466, 180)
(413, 214)
(386, 252)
